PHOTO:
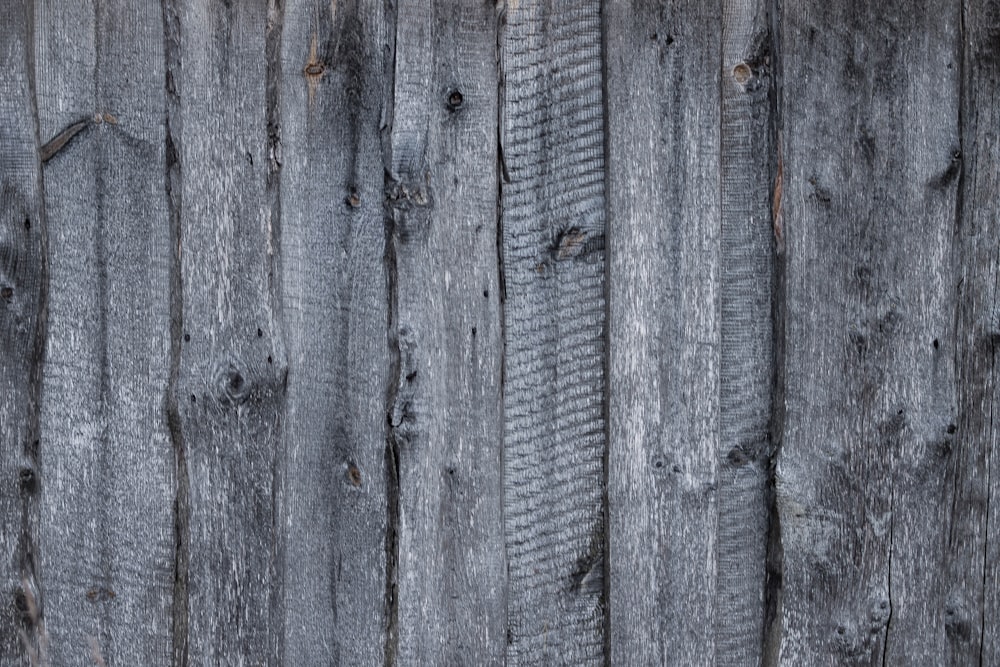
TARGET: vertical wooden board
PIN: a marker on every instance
(446, 415)
(867, 200)
(553, 211)
(745, 331)
(664, 252)
(22, 330)
(972, 611)
(106, 464)
(231, 375)
(334, 309)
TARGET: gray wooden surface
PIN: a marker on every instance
(432, 332)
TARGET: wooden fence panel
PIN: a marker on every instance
(334, 307)
(22, 334)
(106, 539)
(230, 379)
(313, 351)
(972, 597)
(447, 334)
(664, 333)
(870, 167)
(552, 218)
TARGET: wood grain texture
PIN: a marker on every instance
(334, 305)
(106, 532)
(23, 276)
(664, 298)
(551, 133)
(746, 359)
(230, 387)
(870, 140)
(447, 412)
(972, 596)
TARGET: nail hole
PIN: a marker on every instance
(187, 338)
(7, 293)
(936, 343)
(473, 331)
(27, 223)
(315, 69)
(193, 399)
(455, 100)
(952, 428)
(486, 293)
(260, 333)
(269, 360)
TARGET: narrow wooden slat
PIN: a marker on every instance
(446, 411)
(231, 375)
(745, 331)
(664, 296)
(22, 333)
(869, 181)
(334, 309)
(972, 600)
(553, 262)
(107, 480)
(446, 418)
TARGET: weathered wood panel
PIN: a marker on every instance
(551, 134)
(22, 335)
(664, 336)
(972, 596)
(230, 381)
(334, 308)
(868, 201)
(746, 357)
(446, 328)
(106, 539)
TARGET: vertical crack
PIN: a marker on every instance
(502, 177)
(606, 336)
(395, 353)
(775, 552)
(272, 101)
(34, 635)
(172, 56)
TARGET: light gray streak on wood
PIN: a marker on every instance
(106, 532)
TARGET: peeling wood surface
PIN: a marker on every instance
(435, 332)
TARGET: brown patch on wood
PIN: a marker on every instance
(570, 243)
(354, 475)
(60, 140)
(313, 70)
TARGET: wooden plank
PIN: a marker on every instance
(868, 201)
(664, 297)
(107, 479)
(230, 387)
(22, 336)
(551, 133)
(972, 600)
(334, 309)
(745, 332)
(446, 415)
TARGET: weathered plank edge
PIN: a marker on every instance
(174, 191)
(771, 639)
